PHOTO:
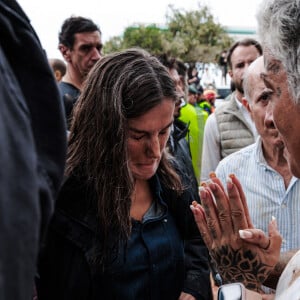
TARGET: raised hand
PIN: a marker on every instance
(240, 252)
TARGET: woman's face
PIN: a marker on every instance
(147, 138)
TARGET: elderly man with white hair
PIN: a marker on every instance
(225, 224)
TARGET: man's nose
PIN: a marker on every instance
(96, 54)
(269, 121)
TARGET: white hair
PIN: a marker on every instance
(255, 69)
(279, 31)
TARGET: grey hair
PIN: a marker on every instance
(279, 31)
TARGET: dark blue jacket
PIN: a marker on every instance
(196, 254)
(153, 265)
(32, 147)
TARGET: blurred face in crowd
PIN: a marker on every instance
(210, 97)
(283, 110)
(241, 58)
(179, 89)
(85, 52)
(192, 98)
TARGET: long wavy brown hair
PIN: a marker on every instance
(120, 86)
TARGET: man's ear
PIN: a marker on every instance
(57, 75)
(65, 51)
(246, 105)
(230, 73)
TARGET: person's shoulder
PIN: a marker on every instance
(187, 108)
(68, 88)
(238, 157)
(246, 151)
(75, 197)
(289, 282)
(211, 121)
(75, 215)
(226, 104)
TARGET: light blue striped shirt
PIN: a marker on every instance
(265, 192)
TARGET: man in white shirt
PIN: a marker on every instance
(230, 128)
(282, 77)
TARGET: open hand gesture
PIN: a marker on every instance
(241, 252)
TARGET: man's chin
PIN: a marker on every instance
(86, 72)
(240, 88)
(279, 144)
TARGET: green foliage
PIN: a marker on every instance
(113, 45)
(201, 36)
(189, 35)
(146, 37)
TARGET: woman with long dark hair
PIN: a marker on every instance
(119, 226)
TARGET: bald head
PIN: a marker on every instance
(252, 76)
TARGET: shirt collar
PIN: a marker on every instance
(260, 159)
(238, 103)
(259, 156)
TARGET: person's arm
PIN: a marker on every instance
(211, 154)
(197, 274)
(241, 252)
(63, 272)
(197, 278)
(273, 278)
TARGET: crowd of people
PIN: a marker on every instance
(128, 182)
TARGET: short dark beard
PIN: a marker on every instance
(239, 87)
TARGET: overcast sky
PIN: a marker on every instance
(113, 16)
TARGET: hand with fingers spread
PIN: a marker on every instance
(241, 252)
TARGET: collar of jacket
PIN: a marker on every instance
(76, 200)
(180, 130)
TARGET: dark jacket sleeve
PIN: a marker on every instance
(197, 277)
(63, 270)
(32, 147)
(197, 272)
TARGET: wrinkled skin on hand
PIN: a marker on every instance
(220, 217)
